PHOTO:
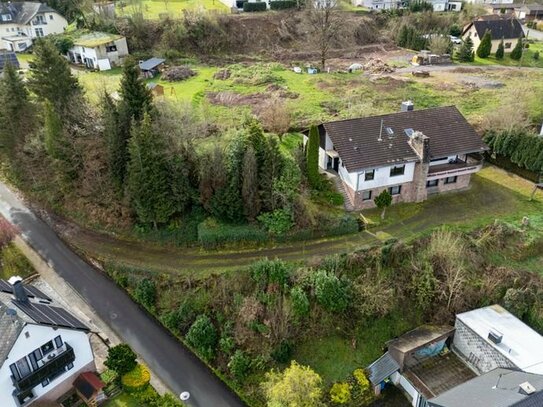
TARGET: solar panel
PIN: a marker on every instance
(9, 57)
(47, 315)
(31, 291)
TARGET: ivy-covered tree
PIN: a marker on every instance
(50, 77)
(500, 52)
(116, 142)
(184, 178)
(485, 46)
(313, 176)
(383, 201)
(16, 114)
(465, 53)
(516, 53)
(149, 176)
(249, 188)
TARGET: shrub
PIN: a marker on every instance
(465, 53)
(383, 201)
(282, 352)
(282, 4)
(277, 222)
(255, 74)
(121, 359)
(484, 48)
(257, 6)
(145, 293)
(331, 293)
(300, 302)
(203, 337)
(137, 379)
(178, 73)
(455, 30)
(212, 234)
(516, 53)
(535, 56)
(340, 393)
(239, 365)
(265, 272)
(364, 390)
(500, 52)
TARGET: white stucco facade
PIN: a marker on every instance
(108, 54)
(41, 340)
(18, 37)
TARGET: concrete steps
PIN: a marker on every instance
(341, 189)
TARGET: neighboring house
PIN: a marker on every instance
(490, 1)
(412, 154)
(433, 365)
(151, 67)
(438, 5)
(43, 348)
(508, 29)
(8, 57)
(98, 50)
(500, 8)
(497, 388)
(22, 22)
(530, 12)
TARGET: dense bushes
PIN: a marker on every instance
(202, 336)
(256, 6)
(137, 379)
(522, 148)
(213, 234)
(121, 359)
(282, 4)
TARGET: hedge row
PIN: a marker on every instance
(212, 235)
(523, 149)
(258, 6)
(282, 4)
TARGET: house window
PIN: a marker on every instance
(23, 367)
(507, 45)
(366, 195)
(6, 17)
(39, 32)
(48, 347)
(396, 190)
(50, 16)
(111, 48)
(397, 170)
(450, 180)
(369, 175)
(39, 20)
(432, 183)
(70, 366)
(438, 159)
(58, 342)
(45, 383)
(34, 357)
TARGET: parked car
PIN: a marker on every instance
(455, 40)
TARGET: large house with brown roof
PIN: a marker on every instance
(412, 153)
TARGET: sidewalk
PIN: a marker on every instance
(100, 331)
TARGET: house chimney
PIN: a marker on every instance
(18, 289)
(421, 144)
(526, 388)
(407, 106)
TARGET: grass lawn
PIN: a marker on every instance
(153, 9)
(334, 358)
(123, 400)
(527, 59)
(14, 263)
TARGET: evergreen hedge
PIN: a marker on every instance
(258, 6)
(523, 149)
(282, 4)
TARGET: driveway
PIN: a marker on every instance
(176, 366)
(532, 34)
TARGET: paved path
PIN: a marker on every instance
(533, 34)
(175, 365)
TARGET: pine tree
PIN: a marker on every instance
(516, 54)
(55, 144)
(16, 114)
(465, 54)
(149, 176)
(212, 177)
(249, 189)
(184, 178)
(500, 52)
(115, 140)
(50, 77)
(135, 96)
(485, 47)
(313, 175)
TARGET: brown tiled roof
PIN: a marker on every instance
(356, 140)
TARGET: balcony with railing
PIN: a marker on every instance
(473, 163)
(49, 367)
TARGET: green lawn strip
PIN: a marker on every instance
(123, 400)
(153, 9)
(527, 59)
(14, 263)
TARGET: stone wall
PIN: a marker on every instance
(406, 195)
(480, 354)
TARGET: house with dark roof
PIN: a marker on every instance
(43, 348)
(151, 67)
(489, 358)
(504, 28)
(529, 11)
(22, 22)
(412, 154)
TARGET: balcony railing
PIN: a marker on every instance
(472, 164)
(47, 367)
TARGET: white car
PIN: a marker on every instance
(455, 40)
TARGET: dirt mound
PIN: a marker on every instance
(377, 66)
(178, 73)
(222, 75)
(235, 99)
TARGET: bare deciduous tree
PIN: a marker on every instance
(275, 116)
(325, 23)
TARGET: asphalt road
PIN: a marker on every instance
(176, 366)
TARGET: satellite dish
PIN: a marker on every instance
(184, 396)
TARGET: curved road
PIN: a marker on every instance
(171, 361)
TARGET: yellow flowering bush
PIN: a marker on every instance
(137, 379)
(340, 393)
